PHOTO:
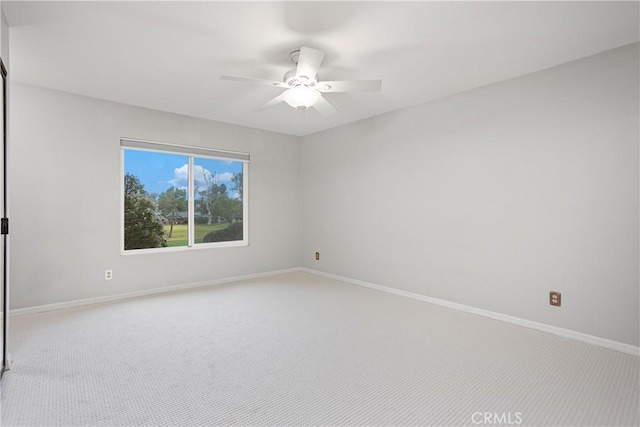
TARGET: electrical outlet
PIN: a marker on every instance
(317, 256)
(108, 274)
(555, 298)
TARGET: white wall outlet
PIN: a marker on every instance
(108, 274)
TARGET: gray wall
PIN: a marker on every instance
(493, 197)
(489, 198)
(4, 39)
(65, 199)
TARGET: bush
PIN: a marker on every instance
(232, 232)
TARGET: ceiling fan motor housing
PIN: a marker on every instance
(293, 80)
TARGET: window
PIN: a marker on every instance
(182, 197)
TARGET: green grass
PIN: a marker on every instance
(179, 236)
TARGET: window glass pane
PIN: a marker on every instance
(155, 200)
(218, 190)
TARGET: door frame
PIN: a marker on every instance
(4, 229)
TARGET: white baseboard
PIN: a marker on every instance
(108, 298)
(566, 333)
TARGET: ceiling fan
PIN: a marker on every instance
(303, 87)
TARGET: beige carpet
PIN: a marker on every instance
(303, 350)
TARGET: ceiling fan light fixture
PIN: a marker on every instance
(301, 97)
(303, 86)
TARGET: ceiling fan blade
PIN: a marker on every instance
(349, 86)
(324, 107)
(309, 61)
(275, 101)
(252, 80)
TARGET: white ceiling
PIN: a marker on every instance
(169, 55)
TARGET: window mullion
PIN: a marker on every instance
(191, 205)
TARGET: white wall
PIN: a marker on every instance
(493, 197)
(65, 199)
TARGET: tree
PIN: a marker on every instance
(172, 201)
(142, 227)
(237, 184)
(214, 200)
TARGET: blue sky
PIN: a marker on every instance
(159, 171)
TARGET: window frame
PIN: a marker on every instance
(191, 153)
